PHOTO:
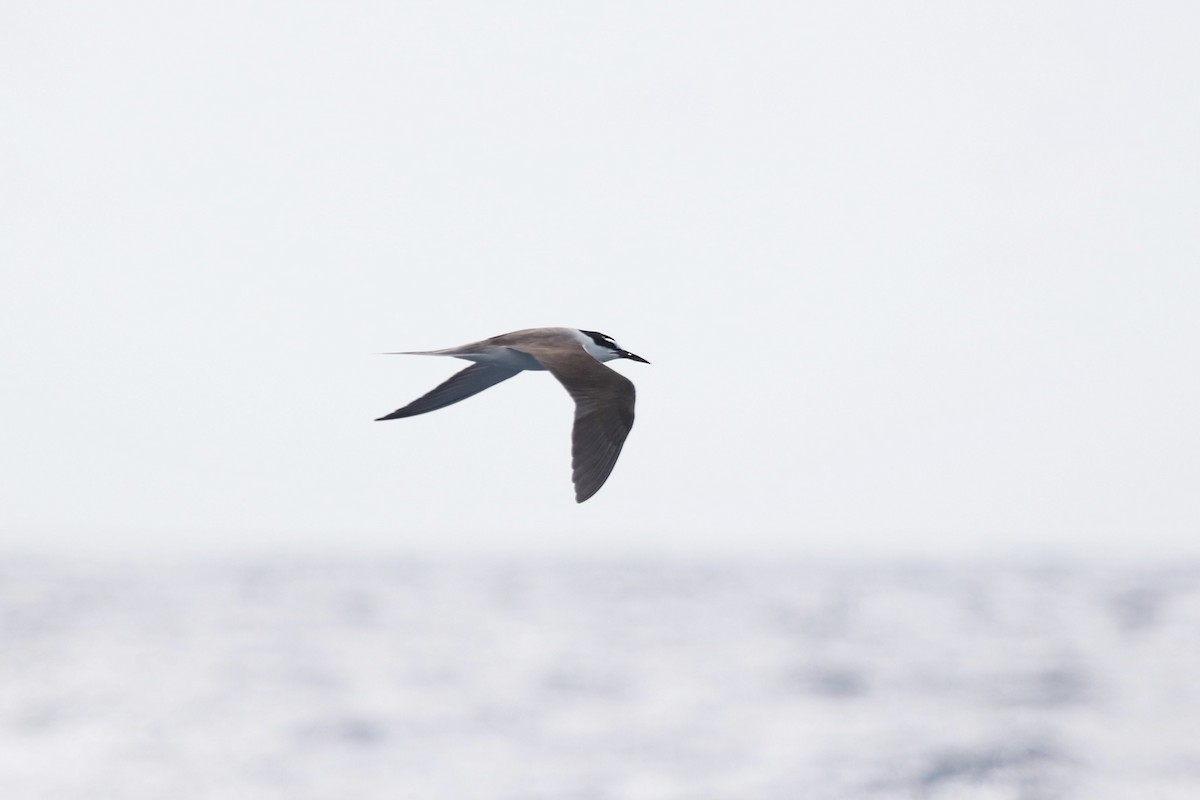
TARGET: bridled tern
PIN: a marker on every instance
(603, 397)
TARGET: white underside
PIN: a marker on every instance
(505, 357)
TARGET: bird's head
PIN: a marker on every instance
(603, 347)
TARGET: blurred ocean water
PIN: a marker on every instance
(664, 680)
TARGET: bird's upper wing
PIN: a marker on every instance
(603, 413)
(472, 380)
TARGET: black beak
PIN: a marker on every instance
(627, 354)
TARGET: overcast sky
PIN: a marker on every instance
(915, 278)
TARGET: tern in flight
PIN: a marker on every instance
(603, 397)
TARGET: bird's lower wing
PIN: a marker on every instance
(472, 380)
(604, 400)
(596, 442)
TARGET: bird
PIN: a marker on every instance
(603, 397)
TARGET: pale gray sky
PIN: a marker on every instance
(917, 278)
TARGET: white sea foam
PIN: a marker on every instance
(597, 681)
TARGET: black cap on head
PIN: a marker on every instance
(606, 341)
(602, 339)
